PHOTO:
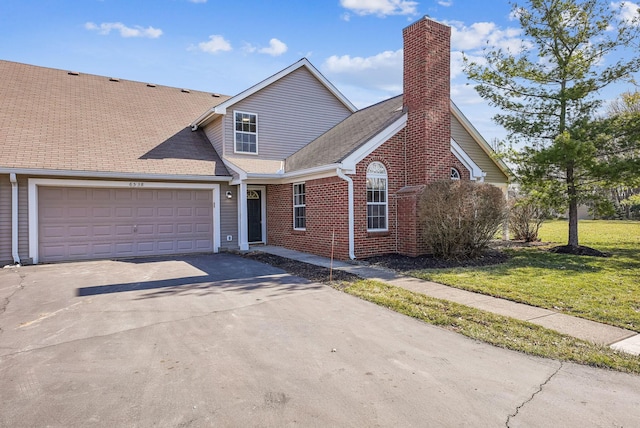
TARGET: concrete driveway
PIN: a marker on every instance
(219, 340)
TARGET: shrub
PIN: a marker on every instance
(526, 215)
(459, 218)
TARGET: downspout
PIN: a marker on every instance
(14, 218)
(349, 181)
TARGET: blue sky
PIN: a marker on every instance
(226, 46)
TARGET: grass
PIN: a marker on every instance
(495, 329)
(606, 290)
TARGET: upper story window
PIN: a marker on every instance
(299, 207)
(246, 132)
(455, 174)
(377, 208)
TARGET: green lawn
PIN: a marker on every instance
(600, 289)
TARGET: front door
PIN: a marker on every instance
(254, 215)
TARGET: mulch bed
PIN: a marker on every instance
(304, 270)
(395, 262)
(399, 263)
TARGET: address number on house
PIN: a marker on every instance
(136, 184)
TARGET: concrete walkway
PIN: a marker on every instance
(603, 334)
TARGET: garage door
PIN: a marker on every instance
(99, 223)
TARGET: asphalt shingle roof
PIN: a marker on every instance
(342, 140)
(50, 119)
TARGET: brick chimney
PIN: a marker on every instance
(427, 51)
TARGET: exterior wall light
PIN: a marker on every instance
(229, 194)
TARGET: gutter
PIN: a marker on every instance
(14, 219)
(349, 181)
(112, 175)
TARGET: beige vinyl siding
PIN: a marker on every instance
(479, 156)
(5, 220)
(291, 112)
(228, 217)
(213, 131)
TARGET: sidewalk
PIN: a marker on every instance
(618, 338)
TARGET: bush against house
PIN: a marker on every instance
(459, 218)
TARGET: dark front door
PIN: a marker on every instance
(254, 215)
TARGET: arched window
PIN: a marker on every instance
(377, 211)
(455, 174)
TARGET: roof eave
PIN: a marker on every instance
(112, 174)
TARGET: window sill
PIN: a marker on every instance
(299, 231)
(378, 233)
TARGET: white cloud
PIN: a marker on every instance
(481, 34)
(382, 71)
(215, 44)
(137, 31)
(628, 11)
(380, 7)
(197, 1)
(276, 48)
(445, 3)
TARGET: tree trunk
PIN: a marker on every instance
(573, 208)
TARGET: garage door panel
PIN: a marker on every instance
(86, 223)
(79, 231)
(185, 245)
(102, 249)
(123, 194)
(123, 229)
(164, 229)
(145, 212)
(145, 229)
(124, 212)
(203, 228)
(78, 250)
(104, 212)
(204, 244)
(203, 212)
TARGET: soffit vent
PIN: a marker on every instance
(73, 73)
(114, 79)
(186, 91)
(151, 85)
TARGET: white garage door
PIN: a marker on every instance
(98, 223)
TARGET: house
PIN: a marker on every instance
(94, 167)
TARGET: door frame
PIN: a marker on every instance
(34, 183)
(263, 212)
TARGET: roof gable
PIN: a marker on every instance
(221, 108)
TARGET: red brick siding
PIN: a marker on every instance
(392, 155)
(326, 209)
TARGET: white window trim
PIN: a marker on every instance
(234, 133)
(35, 183)
(457, 172)
(386, 197)
(298, 206)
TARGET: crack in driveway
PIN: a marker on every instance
(540, 387)
(7, 299)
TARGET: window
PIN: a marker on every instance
(299, 207)
(246, 132)
(376, 197)
(455, 174)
